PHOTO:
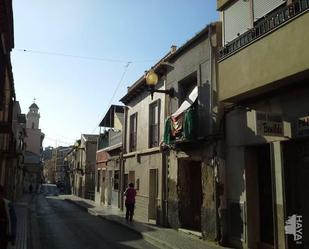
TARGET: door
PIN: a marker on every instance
(103, 187)
(110, 187)
(153, 194)
(190, 194)
(296, 172)
(259, 195)
(265, 196)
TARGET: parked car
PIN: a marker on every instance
(49, 189)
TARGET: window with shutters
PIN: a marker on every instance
(262, 7)
(154, 124)
(133, 132)
(237, 20)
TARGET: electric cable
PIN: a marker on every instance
(116, 89)
(80, 56)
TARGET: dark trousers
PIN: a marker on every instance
(130, 211)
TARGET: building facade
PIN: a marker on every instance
(108, 162)
(142, 156)
(192, 136)
(263, 84)
(7, 91)
(17, 167)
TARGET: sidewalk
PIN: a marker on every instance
(22, 233)
(158, 236)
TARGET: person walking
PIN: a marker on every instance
(30, 188)
(130, 194)
(8, 221)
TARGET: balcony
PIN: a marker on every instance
(109, 139)
(265, 26)
(274, 50)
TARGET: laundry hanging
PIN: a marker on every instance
(180, 125)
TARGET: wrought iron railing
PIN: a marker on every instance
(265, 25)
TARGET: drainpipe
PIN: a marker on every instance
(165, 164)
(164, 187)
(211, 129)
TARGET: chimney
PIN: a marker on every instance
(173, 48)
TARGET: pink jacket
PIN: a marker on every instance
(130, 194)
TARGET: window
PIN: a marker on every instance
(137, 184)
(133, 132)
(263, 7)
(154, 124)
(116, 179)
(237, 20)
(185, 87)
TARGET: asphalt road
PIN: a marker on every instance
(57, 224)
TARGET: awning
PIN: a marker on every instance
(187, 103)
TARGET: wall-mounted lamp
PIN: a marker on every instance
(152, 79)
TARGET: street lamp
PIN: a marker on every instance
(152, 79)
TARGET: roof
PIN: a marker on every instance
(34, 105)
(192, 42)
(108, 120)
(140, 85)
(90, 137)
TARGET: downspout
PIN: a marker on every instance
(211, 131)
(165, 175)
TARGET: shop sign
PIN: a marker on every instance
(303, 126)
(269, 124)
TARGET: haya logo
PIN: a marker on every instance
(294, 226)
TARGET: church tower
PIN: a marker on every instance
(33, 117)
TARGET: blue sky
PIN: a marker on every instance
(74, 93)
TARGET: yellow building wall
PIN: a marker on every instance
(276, 56)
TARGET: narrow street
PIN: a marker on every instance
(57, 224)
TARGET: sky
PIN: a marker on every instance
(72, 55)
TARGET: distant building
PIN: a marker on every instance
(108, 158)
(47, 153)
(81, 163)
(33, 157)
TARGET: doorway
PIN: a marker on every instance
(190, 194)
(296, 174)
(109, 189)
(259, 192)
(153, 194)
(103, 187)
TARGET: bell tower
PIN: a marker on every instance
(33, 116)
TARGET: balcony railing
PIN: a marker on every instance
(265, 25)
(111, 139)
